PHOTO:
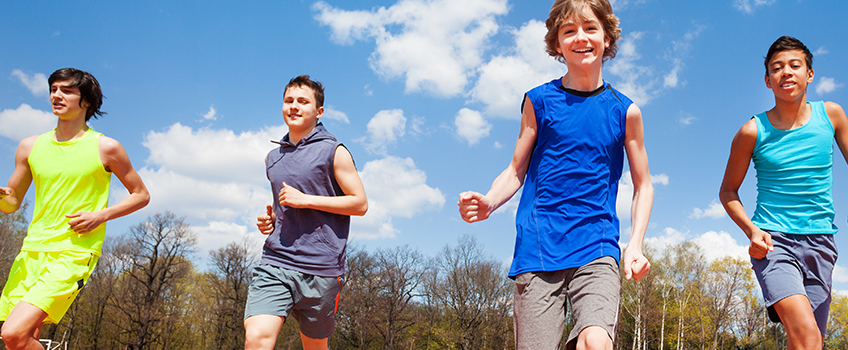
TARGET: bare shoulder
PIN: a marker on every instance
(110, 146)
(633, 112)
(748, 130)
(27, 143)
(835, 113)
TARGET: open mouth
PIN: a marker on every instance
(586, 50)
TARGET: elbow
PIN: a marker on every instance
(144, 199)
(361, 209)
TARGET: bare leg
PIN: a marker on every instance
(802, 331)
(594, 338)
(313, 344)
(261, 331)
(23, 327)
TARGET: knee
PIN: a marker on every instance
(593, 338)
(13, 337)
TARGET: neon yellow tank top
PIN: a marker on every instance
(69, 177)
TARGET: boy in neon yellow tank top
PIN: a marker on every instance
(71, 167)
(792, 249)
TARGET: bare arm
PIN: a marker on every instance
(635, 264)
(840, 127)
(115, 160)
(12, 195)
(741, 151)
(474, 206)
(353, 202)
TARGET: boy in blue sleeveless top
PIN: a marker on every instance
(792, 246)
(575, 131)
(317, 189)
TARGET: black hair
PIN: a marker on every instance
(88, 86)
(304, 80)
(787, 43)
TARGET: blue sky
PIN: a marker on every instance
(425, 94)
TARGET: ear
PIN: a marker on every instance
(768, 84)
(320, 112)
(810, 75)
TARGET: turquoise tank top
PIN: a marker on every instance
(795, 175)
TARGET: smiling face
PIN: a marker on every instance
(788, 74)
(66, 100)
(581, 40)
(300, 111)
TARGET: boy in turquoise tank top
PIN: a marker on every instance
(71, 167)
(575, 131)
(791, 145)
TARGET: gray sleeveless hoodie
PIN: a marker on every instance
(306, 240)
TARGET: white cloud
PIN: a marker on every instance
(669, 237)
(211, 114)
(827, 85)
(717, 245)
(625, 193)
(213, 154)
(715, 211)
(395, 188)
(748, 6)
(384, 129)
(435, 45)
(504, 79)
(334, 114)
(821, 51)
(17, 124)
(637, 82)
(686, 119)
(37, 83)
(840, 274)
(471, 126)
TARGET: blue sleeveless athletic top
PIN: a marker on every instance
(306, 240)
(795, 175)
(566, 217)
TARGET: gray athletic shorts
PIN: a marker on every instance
(540, 303)
(799, 264)
(311, 300)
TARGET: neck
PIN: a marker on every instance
(70, 129)
(791, 109)
(296, 135)
(582, 80)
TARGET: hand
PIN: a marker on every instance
(84, 222)
(5, 191)
(265, 223)
(292, 197)
(635, 264)
(473, 206)
(760, 244)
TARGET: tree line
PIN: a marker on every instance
(148, 293)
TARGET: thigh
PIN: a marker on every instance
(539, 305)
(594, 293)
(316, 304)
(270, 293)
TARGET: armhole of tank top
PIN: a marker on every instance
(824, 115)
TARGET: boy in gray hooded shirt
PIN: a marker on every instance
(317, 188)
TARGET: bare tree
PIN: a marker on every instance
(231, 275)
(475, 294)
(355, 322)
(13, 229)
(399, 270)
(154, 259)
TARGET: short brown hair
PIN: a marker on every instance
(304, 80)
(564, 9)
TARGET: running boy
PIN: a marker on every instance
(792, 246)
(317, 188)
(569, 156)
(71, 166)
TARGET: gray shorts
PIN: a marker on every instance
(540, 303)
(799, 264)
(311, 300)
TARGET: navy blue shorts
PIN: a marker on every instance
(311, 300)
(799, 264)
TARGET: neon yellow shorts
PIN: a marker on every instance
(47, 280)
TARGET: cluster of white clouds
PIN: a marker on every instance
(36, 83)
(748, 6)
(715, 211)
(438, 47)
